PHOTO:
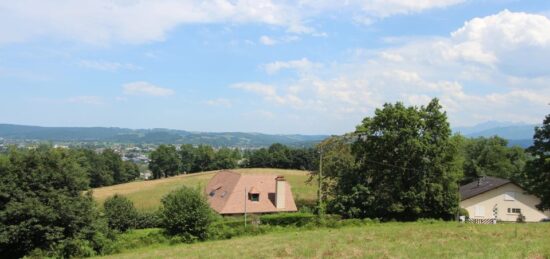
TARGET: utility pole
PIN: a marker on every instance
(245, 198)
(319, 191)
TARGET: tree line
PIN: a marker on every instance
(169, 160)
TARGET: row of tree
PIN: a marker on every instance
(167, 160)
(106, 168)
(100, 168)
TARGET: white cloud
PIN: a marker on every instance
(220, 102)
(107, 66)
(87, 99)
(134, 21)
(301, 65)
(472, 72)
(145, 88)
(266, 40)
(270, 41)
(512, 41)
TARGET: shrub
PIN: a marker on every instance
(148, 220)
(306, 206)
(287, 219)
(133, 239)
(463, 212)
(120, 212)
(186, 213)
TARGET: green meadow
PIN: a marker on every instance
(372, 240)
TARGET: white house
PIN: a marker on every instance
(491, 197)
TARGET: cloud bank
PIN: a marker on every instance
(481, 71)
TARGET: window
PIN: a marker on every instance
(510, 196)
(514, 210)
(254, 196)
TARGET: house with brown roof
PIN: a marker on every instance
(233, 193)
(500, 199)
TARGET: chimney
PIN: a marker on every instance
(280, 192)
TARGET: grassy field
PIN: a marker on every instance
(146, 195)
(386, 240)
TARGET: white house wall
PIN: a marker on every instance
(482, 205)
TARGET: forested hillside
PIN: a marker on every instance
(153, 136)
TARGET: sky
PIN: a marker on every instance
(282, 67)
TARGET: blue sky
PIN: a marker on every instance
(310, 67)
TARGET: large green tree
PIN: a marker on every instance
(492, 157)
(42, 205)
(164, 162)
(225, 158)
(188, 156)
(406, 166)
(204, 158)
(538, 169)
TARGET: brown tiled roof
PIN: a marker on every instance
(480, 186)
(231, 197)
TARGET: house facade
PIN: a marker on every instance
(491, 197)
(233, 193)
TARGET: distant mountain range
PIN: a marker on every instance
(153, 136)
(516, 133)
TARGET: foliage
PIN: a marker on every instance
(463, 212)
(105, 168)
(120, 212)
(164, 161)
(134, 239)
(187, 158)
(287, 219)
(492, 157)
(186, 213)
(538, 169)
(42, 206)
(407, 166)
(148, 220)
(281, 156)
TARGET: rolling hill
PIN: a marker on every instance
(516, 133)
(146, 195)
(153, 136)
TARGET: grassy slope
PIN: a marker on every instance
(388, 240)
(146, 195)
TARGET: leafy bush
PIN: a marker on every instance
(306, 206)
(186, 213)
(148, 220)
(287, 219)
(133, 239)
(120, 212)
(463, 212)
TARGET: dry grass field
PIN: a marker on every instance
(146, 195)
